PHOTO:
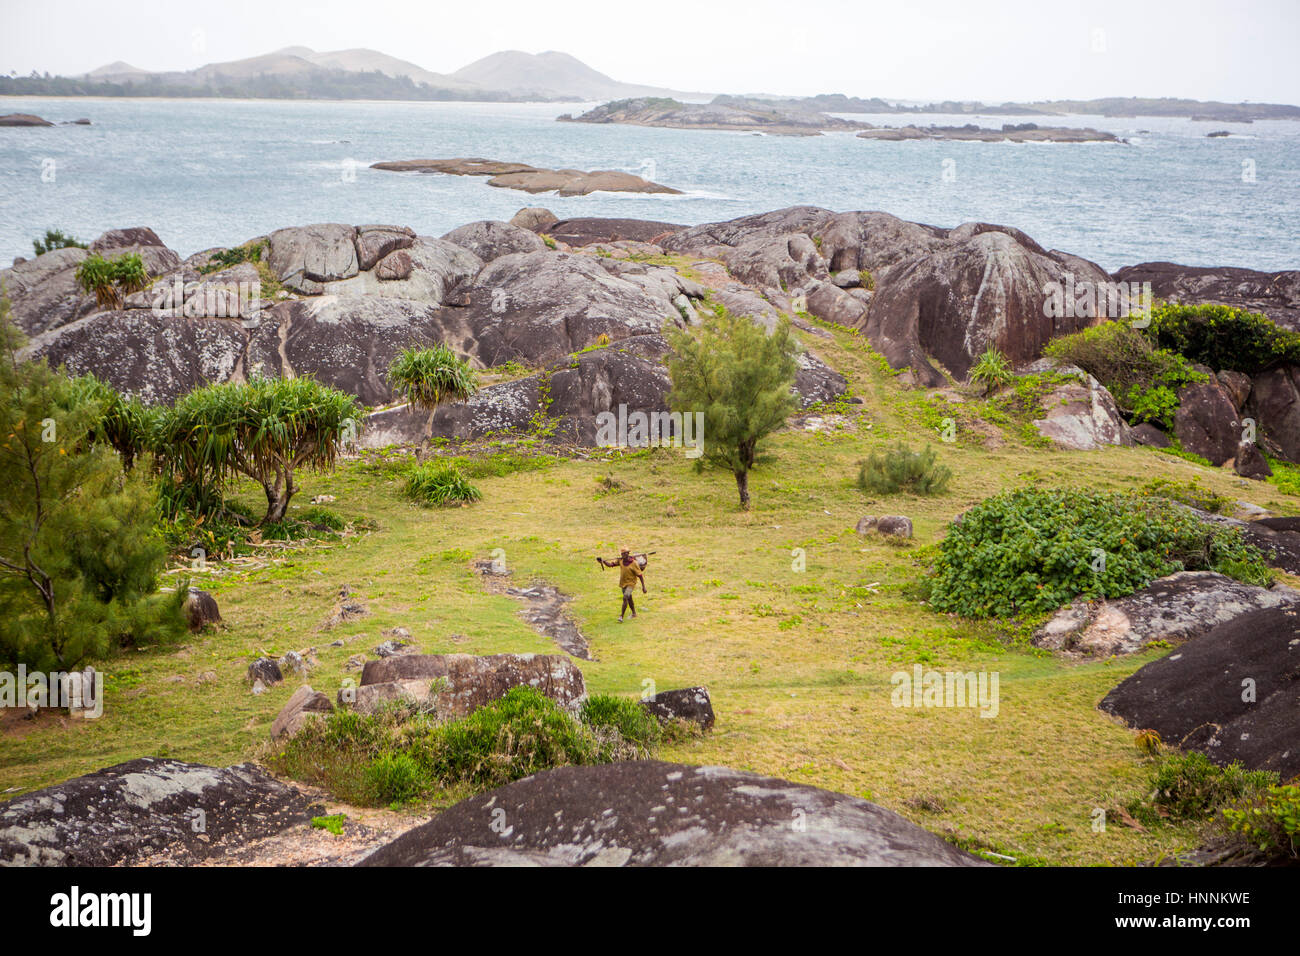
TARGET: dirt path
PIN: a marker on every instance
(365, 829)
(543, 609)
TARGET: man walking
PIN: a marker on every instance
(629, 572)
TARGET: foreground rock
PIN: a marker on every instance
(1229, 693)
(532, 179)
(1173, 609)
(118, 815)
(1009, 133)
(454, 685)
(648, 813)
(1081, 415)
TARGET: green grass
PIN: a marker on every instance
(808, 701)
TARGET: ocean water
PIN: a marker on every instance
(206, 173)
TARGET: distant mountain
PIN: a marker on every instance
(361, 60)
(553, 75)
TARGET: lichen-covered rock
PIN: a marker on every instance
(305, 257)
(534, 219)
(155, 358)
(895, 526)
(120, 814)
(1082, 416)
(376, 242)
(1173, 609)
(1230, 692)
(465, 682)
(201, 609)
(44, 292)
(265, 669)
(648, 813)
(1275, 405)
(301, 707)
(490, 239)
(691, 704)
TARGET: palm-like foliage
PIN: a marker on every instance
(265, 429)
(112, 280)
(428, 378)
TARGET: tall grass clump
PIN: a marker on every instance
(901, 469)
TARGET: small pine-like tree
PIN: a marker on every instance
(79, 561)
(741, 377)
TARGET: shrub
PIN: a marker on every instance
(393, 778)
(1189, 786)
(1223, 337)
(1029, 551)
(900, 468)
(112, 280)
(1191, 493)
(1270, 821)
(633, 722)
(55, 239)
(521, 734)
(332, 823)
(436, 483)
(992, 370)
(226, 258)
(1144, 381)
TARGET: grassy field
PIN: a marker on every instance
(798, 662)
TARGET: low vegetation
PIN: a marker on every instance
(110, 281)
(900, 469)
(438, 483)
(55, 239)
(1030, 551)
(402, 753)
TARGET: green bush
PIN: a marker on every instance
(633, 722)
(1189, 786)
(436, 483)
(521, 734)
(901, 469)
(1271, 821)
(431, 377)
(226, 258)
(1144, 381)
(1222, 337)
(992, 370)
(1191, 493)
(1028, 552)
(394, 778)
(55, 239)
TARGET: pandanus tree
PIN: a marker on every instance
(264, 429)
(741, 377)
(430, 377)
(110, 281)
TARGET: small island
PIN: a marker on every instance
(1010, 132)
(533, 179)
(747, 118)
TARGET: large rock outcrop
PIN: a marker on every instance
(1207, 423)
(491, 239)
(940, 295)
(120, 814)
(648, 813)
(1231, 693)
(157, 358)
(1275, 294)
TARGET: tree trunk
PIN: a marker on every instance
(742, 486)
(278, 494)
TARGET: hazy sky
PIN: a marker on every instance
(914, 49)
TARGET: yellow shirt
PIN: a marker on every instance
(628, 574)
